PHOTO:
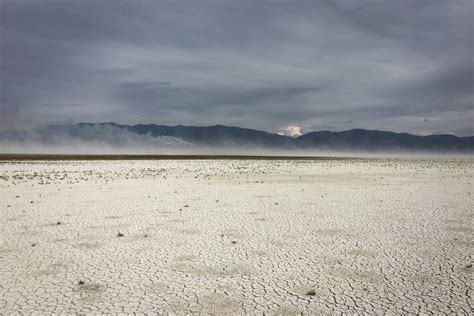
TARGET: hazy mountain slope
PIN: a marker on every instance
(217, 135)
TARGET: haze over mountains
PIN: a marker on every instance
(97, 137)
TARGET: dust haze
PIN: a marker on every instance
(94, 140)
(106, 139)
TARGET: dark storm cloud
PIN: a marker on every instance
(182, 97)
(260, 64)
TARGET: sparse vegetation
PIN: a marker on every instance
(311, 293)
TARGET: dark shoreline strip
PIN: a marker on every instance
(12, 157)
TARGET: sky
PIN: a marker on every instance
(282, 66)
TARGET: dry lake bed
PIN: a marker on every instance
(237, 236)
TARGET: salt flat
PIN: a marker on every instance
(237, 236)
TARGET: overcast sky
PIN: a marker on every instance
(270, 65)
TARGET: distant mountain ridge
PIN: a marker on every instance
(374, 140)
(231, 136)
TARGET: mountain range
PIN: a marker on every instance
(219, 136)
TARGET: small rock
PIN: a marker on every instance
(119, 234)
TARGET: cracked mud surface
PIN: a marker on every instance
(242, 236)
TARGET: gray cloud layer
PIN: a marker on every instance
(392, 65)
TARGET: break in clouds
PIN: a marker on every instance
(282, 66)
